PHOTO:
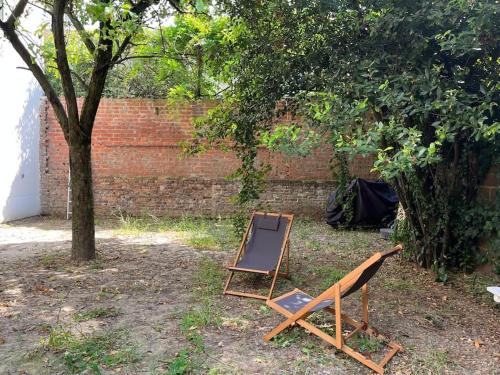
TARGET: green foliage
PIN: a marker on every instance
(178, 61)
(412, 83)
(180, 364)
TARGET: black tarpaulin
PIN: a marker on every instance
(374, 204)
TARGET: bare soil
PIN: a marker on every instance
(153, 280)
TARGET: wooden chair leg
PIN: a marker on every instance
(275, 277)
(229, 278)
(364, 302)
(287, 261)
(338, 318)
(277, 330)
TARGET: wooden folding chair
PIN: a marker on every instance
(296, 306)
(265, 245)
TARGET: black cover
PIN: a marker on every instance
(374, 205)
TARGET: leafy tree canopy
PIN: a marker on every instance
(412, 83)
(180, 60)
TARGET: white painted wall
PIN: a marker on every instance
(20, 98)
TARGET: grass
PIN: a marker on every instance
(328, 275)
(399, 284)
(199, 233)
(95, 313)
(208, 279)
(475, 285)
(207, 285)
(435, 362)
(90, 353)
(181, 364)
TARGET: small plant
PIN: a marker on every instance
(180, 364)
(313, 245)
(284, 340)
(98, 312)
(366, 343)
(201, 317)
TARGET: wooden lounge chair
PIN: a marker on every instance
(265, 245)
(296, 306)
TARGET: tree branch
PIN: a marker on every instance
(62, 60)
(98, 76)
(17, 12)
(81, 31)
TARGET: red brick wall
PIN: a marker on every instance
(138, 168)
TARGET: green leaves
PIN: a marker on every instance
(414, 85)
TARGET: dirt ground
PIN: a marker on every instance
(151, 304)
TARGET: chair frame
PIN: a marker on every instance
(284, 256)
(335, 293)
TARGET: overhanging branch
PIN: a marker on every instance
(81, 31)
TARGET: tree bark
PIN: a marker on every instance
(82, 196)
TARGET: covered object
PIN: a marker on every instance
(374, 205)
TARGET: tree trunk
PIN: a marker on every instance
(83, 244)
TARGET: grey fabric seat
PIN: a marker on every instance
(264, 248)
(294, 302)
(265, 244)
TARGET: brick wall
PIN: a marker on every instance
(138, 168)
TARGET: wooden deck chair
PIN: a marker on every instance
(265, 245)
(296, 306)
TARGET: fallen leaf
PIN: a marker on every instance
(478, 343)
(2, 341)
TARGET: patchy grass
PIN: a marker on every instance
(207, 287)
(172, 306)
(287, 338)
(95, 313)
(90, 353)
(199, 318)
(435, 362)
(475, 285)
(199, 233)
(399, 284)
(208, 279)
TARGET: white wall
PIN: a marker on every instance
(20, 98)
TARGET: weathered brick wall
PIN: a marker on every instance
(138, 168)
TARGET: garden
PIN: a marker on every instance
(186, 153)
